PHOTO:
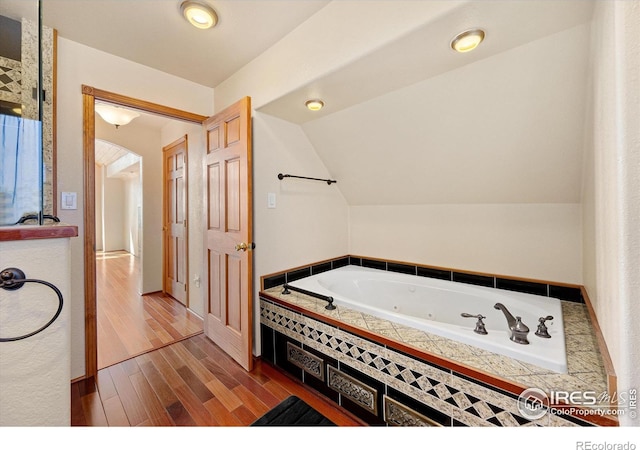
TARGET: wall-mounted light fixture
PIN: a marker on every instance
(199, 15)
(115, 115)
(467, 40)
(314, 105)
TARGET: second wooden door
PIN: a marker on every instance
(175, 220)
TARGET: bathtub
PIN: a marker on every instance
(435, 306)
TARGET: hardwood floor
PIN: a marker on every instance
(157, 368)
(130, 324)
(188, 383)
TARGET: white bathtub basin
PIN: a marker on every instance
(435, 306)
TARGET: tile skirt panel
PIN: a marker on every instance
(460, 398)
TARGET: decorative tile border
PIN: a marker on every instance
(468, 402)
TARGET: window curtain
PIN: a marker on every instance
(20, 168)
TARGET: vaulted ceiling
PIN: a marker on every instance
(505, 129)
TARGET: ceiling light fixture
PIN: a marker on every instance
(314, 105)
(467, 40)
(199, 15)
(115, 115)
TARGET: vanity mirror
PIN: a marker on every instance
(27, 114)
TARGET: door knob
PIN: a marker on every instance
(242, 246)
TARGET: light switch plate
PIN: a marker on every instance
(271, 200)
(69, 200)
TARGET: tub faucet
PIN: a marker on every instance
(518, 329)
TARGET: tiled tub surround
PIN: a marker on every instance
(464, 384)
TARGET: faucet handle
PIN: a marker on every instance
(480, 328)
(542, 328)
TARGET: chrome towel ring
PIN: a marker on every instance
(12, 279)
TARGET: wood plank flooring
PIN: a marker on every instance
(157, 368)
(130, 324)
(189, 383)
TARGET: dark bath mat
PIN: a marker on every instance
(292, 412)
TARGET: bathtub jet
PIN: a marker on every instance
(435, 306)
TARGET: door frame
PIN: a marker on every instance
(165, 211)
(89, 97)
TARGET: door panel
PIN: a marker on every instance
(215, 269)
(228, 236)
(175, 220)
(234, 319)
(233, 196)
(213, 184)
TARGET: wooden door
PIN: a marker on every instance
(175, 220)
(228, 231)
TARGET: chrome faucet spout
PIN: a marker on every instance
(511, 321)
(517, 329)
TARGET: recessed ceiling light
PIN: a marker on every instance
(467, 40)
(314, 105)
(199, 15)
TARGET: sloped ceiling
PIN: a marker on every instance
(506, 129)
(420, 124)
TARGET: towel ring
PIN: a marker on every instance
(12, 279)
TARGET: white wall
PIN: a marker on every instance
(113, 214)
(132, 222)
(35, 372)
(310, 221)
(612, 202)
(78, 65)
(470, 169)
(539, 241)
(117, 201)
